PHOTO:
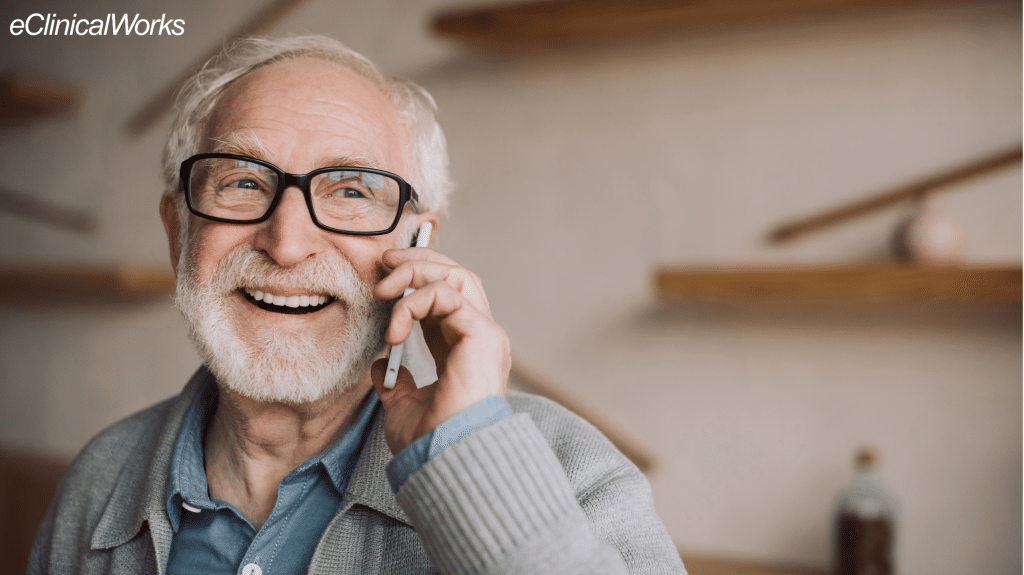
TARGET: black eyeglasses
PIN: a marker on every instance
(346, 200)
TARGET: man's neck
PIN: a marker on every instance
(251, 446)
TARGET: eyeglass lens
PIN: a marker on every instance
(343, 198)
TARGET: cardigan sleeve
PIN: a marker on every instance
(511, 498)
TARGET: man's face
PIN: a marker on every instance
(299, 115)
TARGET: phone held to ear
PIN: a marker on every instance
(395, 358)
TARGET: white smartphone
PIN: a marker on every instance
(395, 357)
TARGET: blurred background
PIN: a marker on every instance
(583, 166)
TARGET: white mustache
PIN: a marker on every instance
(245, 267)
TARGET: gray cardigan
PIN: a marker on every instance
(539, 492)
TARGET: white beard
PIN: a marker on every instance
(276, 365)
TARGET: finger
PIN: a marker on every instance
(417, 274)
(428, 265)
(395, 257)
(442, 302)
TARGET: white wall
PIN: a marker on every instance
(580, 171)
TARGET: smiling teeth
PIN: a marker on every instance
(287, 301)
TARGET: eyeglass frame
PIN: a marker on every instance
(301, 181)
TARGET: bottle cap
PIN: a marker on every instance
(867, 457)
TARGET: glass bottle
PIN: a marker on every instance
(865, 522)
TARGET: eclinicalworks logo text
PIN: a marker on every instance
(51, 25)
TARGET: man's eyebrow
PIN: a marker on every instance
(349, 161)
(241, 145)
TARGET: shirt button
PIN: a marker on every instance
(252, 569)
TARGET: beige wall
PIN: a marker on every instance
(579, 172)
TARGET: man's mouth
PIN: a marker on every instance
(293, 304)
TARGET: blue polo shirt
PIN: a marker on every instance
(212, 536)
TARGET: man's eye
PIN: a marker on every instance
(348, 193)
(245, 184)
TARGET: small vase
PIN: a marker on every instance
(931, 235)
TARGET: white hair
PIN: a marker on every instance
(425, 141)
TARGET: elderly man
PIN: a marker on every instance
(297, 177)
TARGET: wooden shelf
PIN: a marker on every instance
(24, 98)
(568, 22)
(715, 565)
(879, 282)
(27, 284)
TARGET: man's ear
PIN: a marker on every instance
(172, 225)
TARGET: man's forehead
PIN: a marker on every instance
(281, 100)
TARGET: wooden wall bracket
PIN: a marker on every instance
(24, 205)
(937, 182)
(536, 383)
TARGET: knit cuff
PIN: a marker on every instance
(479, 415)
(491, 493)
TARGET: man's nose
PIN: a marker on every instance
(289, 236)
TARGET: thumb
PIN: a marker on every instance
(403, 385)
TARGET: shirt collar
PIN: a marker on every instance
(187, 481)
(139, 496)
